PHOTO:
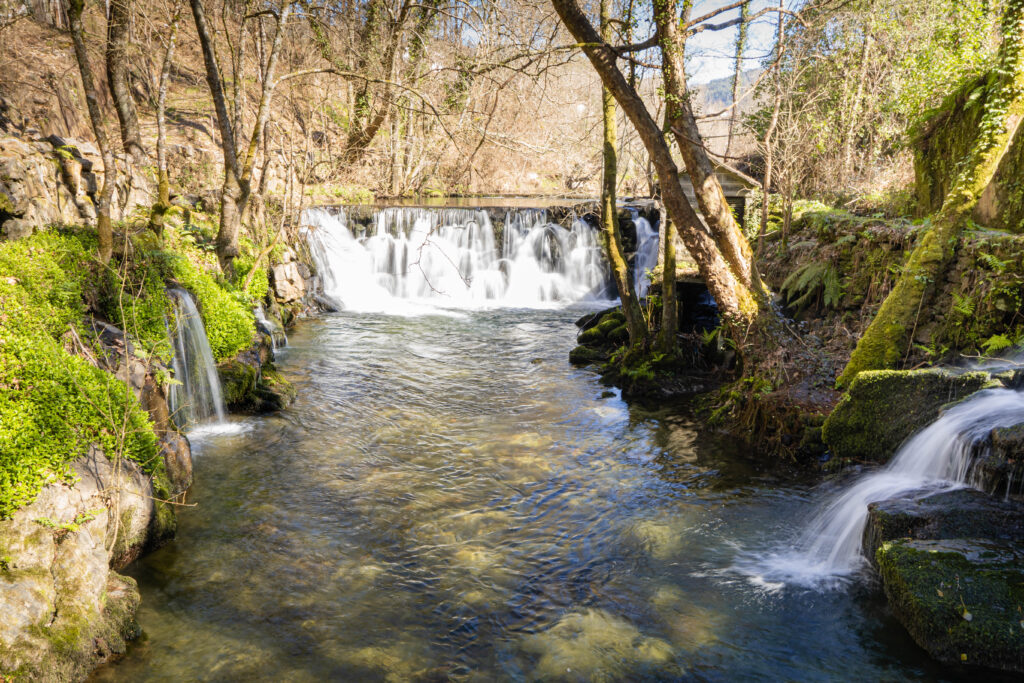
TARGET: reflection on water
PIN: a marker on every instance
(449, 500)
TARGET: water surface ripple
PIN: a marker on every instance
(448, 499)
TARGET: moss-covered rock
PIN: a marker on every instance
(999, 466)
(885, 407)
(586, 355)
(960, 600)
(963, 513)
(251, 384)
(595, 335)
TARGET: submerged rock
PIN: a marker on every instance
(961, 600)
(594, 645)
(885, 407)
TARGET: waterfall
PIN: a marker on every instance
(197, 396)
(646, 254)
(451, 257)
(937, 458)
(278, 338)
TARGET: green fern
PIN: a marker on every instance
(802, 287)
(991, 262)
(995, 344)
(963, 305)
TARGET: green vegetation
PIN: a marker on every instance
(54, 401)
(54, 404)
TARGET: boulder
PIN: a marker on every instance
(961, 600)
(64, 609)
(885, 407)
(288, 282)
(999, 464)
(250, 382)
(961, 513)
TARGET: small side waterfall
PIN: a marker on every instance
(938, 458)
(646, 254)
(452, 257)
(196, 398)
(277, 335)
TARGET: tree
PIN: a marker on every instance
(885, 342)
(118, 24)
(103, 225)
(737, 73)
(163, 200)
(738, 305)
(609, 215)
(237, 186)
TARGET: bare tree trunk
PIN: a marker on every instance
(769, 146)
(163, 201)
(710, 197)
(117, 74)
(609, 215)
(854, 111)
(737, 73)
(887, 340)
(236, 190)
(736, 303)
(104, 229)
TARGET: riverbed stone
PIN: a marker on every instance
(961, 513)
(962, 600)
(885, 407)
(594, 645)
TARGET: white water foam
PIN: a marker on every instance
(415, 260)
(646, 258)
(829, 549)
(196, 396)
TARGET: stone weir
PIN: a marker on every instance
(559, 210)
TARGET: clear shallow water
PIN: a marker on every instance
(449, 499)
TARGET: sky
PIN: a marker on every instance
(710, 54)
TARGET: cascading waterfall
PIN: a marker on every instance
(646, 257)
(450, 257)
(936, 458)
(197, 397)
(278, 338)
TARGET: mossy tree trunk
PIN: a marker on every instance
(737, 307)
(163, 200)
(609, 215)
(683, 125)
(887, 340)
(104, 228)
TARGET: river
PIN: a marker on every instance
(448, 499)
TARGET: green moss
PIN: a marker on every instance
(54, 405)
(6, 205)
(585, 355)
(593, 336)
(885, 407)
(962, 601)
(607, 324)
(238, 382)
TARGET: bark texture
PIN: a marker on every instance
(118, 24)
(163, 200)
(609, 215)
(735, 303)
(104, 229)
